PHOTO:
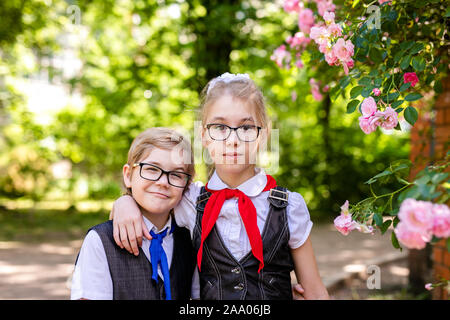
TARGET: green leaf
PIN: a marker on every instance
(413, 96)
(438, 86)
(416, 48)
(397, 104)
(406, 45)
(398, 56)
(404, 63)
(385, 226)
(447, 15)
(378, 219)
(375, 55)
(377, 82)
(448, 239)
(394, 241)
(405, 86)
(439, 177)
(351, 106)
(344, 82)
(356, 91)
(367, 91)
(375, 178)
(418, 63)
(411, 115)
(365, 81)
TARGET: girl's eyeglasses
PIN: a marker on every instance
(154, 173)
(221, 132)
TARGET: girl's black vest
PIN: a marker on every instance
(223, 277)
(132, 276)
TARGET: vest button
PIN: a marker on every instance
(236, 270)
(240, 286)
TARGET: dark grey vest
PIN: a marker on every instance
(131, 275)
(223, 277)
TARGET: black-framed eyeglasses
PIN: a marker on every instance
(221, 132)
(151, 172)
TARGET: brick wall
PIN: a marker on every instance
(430, 140)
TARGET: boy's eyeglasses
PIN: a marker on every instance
(221, 132)
(154, 173)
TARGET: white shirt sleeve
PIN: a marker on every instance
(299, 220)
(185, 211)
(92, 278)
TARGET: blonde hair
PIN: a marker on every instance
(162, 138)
(242, 88)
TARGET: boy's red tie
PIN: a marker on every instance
(248, 214)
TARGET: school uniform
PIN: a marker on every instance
(105, 271)
(229, 270)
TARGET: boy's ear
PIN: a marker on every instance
(126, 171)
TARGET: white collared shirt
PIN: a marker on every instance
(92, 279)
(229, 223)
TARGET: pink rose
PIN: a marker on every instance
(299, 63)
(335, 30)
(344, 224)
(384, 1)
(417, 215)
(410, 77)
(328, 17)
(320, 35)
(368, 106)
(390, 119)
(410, 238)
(330, 58)
(343, 49)
(305, 20)
(367, 124)
(281, 57)
(297, 40)
(315, 90)
(291, 5)
(429, 287)
(324, 6)
(441, 221)
(376, 92)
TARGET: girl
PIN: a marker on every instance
(156, 177)
(249, 233)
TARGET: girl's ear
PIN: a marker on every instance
(203, 136)
(126, 171)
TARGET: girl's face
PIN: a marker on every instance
(155, 197)
(232, 154)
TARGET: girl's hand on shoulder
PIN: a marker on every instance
(128, 224)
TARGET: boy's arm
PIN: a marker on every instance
(307, 272)
(128, 225)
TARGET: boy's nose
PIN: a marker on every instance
(164, 180)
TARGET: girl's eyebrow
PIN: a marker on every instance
(242, 120)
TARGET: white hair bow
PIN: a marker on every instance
(227, 78)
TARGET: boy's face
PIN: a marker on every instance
(231, 154)
(155, 197)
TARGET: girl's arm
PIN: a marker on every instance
(307, 272)
(128, 224)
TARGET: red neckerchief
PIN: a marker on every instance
(248, 214)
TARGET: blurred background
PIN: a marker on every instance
(80, 79)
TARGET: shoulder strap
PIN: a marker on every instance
(278, 197)
(202, 199)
